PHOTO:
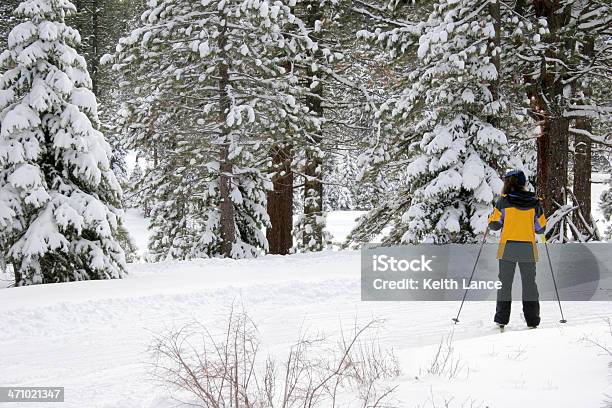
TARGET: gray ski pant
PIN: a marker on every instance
(531, 305)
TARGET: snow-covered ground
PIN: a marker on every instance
(92, 337)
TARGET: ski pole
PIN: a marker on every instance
(484, 239)
(554, 281)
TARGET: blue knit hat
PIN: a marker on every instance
(520, 176)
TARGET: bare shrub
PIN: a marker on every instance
(445, 362)
(216, 370)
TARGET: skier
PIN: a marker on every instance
(519, 214)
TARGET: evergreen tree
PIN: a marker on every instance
(344, 190)
(134, 196)
(553, 91)
(310, 226)
(173, 210)
(223, 78)
(447, 131)
(391, 31)
(58, 195)
(343, 81)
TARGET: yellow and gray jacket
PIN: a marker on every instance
(520, 216)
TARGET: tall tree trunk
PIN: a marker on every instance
(582, 173)
(313, 186)
(280, 201)
(554, 163)
(549, 101)
(552, 148)
(226, 206)
(280, 198)
(582, 154)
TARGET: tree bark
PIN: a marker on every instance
(280, 201)
(226, 206)
(280, 198)
(582, 174)
(554, 164)
(583, 156)
(548, 103)
(552, 148)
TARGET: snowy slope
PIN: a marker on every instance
(92, 337)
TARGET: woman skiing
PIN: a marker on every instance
(519, 214)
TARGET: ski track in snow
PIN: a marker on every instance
(92, 337)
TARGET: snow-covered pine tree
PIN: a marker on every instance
(338, 187)
(154, 128)
(557, 77)
(343, 188)
(343, 76)
(134, 194)
(58, 196)
(310, 226)
(390, 32)
(459, 153)
(223, 69)
(173, 208)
